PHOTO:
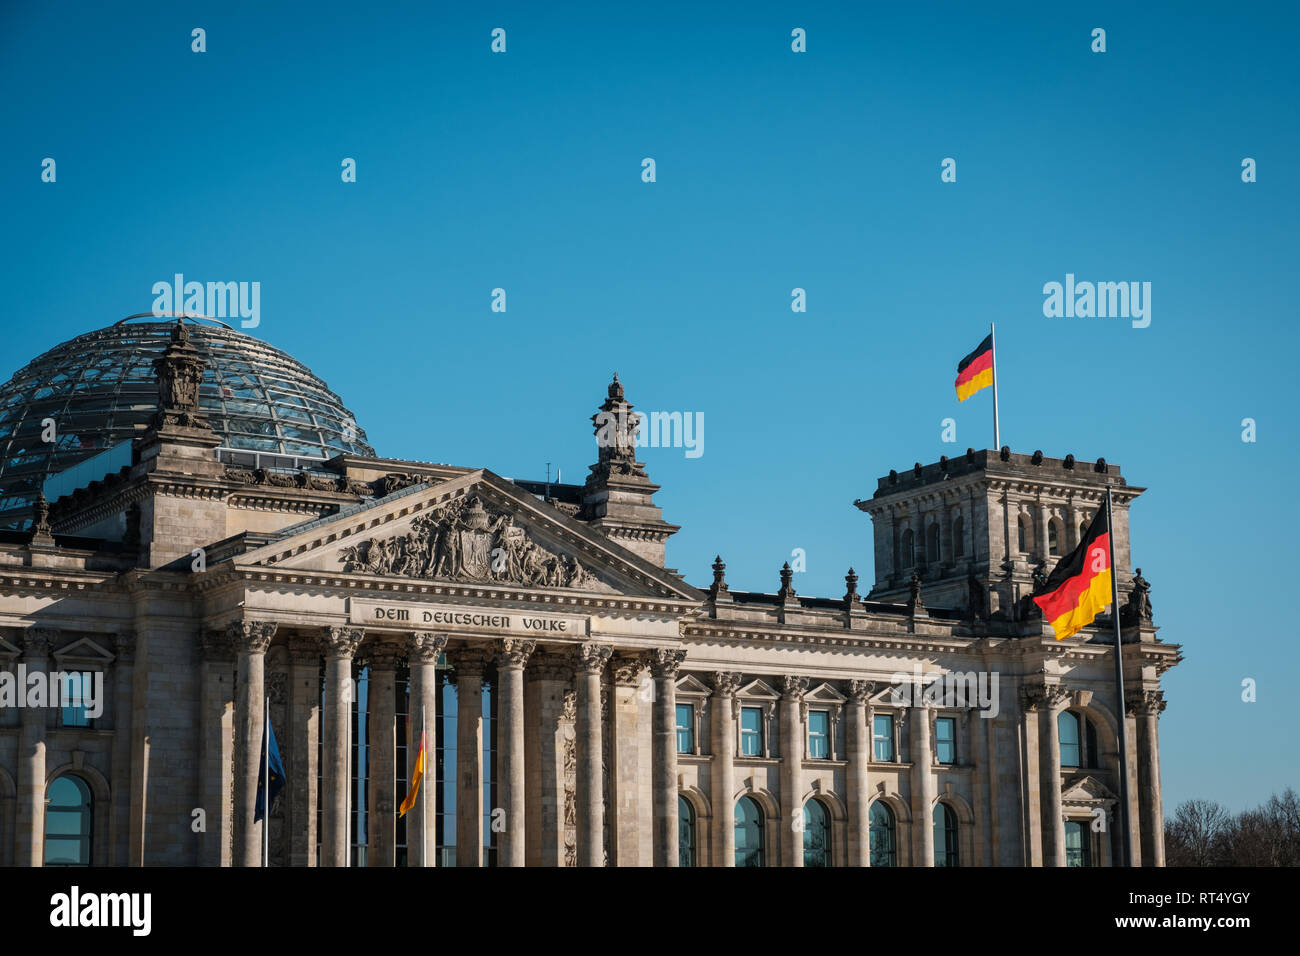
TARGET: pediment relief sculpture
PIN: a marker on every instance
(467, 541)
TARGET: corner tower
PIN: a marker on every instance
(618, 496)
(979, 529)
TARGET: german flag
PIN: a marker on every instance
(1079, 587)
(975, 371)
(416, 776)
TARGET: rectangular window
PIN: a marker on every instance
(77, 688)
(882, 737)
(819, 734)
(685, 729)
(751, 732)
(945, 739)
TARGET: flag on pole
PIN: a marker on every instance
(1079, 587)
(975, 371)
(270, 762)
(416, 776)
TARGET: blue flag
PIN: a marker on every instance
(277, 773)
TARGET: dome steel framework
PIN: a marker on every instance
(99, 389)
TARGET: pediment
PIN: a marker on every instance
(83, 650)
(1086, 789)
(824, 694)
(477, 529)
(690, 684)
(758, 689)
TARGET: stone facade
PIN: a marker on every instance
(200, 591)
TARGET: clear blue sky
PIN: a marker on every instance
(775, 170)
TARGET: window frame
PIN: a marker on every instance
(951, 722)
(825, 737)
(758, 735)
(891, 737)
(678, 729)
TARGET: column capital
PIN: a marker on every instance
(514, 652)
(1145, 703)
(627, 667)
(251, 637)
(426, 646)
(469, 661)
(793, 688)
(860, 690)
(382, 654)
(726, 683)
(216, 645)
(38, 640)
(591, 657)
(1041, 696)
(341, 641)
(665, 662)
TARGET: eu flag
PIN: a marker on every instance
(277, 772)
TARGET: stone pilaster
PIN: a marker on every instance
(1146, 705)
(858, 744)
(250, 640)
(421, 829)
(216, 746)
(340, 645)
(29, 823)
(120, 780)
(381, 731)
(625, 760)
(664, 665)
(303, 751)
(793, 744)
(512, 657)
(589, 664)
(546, 680)
(723, 771)
(923, 786)
(1051, 701)
(469, 663)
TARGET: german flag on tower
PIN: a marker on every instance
(975, 371)
(1079, 587)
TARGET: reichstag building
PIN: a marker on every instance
(196, 530)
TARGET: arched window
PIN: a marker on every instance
(816, 834)
(958, 542)
(685, 832)
(881, 829)
(1067, 729)
(932, 543)
(1054, 537)
(909, 549)
(945, 835)
(749, 833)
(68, 822)
(1022, 525)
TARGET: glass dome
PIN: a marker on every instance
(99, 389)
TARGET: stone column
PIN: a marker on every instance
(664, 664)
(858, 744)
(469, 663)
(589, 665)
(923, 786)
(722, 773)
(340, 644)
(1031, 803)
(626, 821)
(120, 781)
(1146, 706)
(381, 731)
(303, 751)
(545, 681)
(421, 830)
(250, 640)
(793, 744)
(1053, 700)
(1040, 528)
(216, 746)
(29, 822)
(512, 657)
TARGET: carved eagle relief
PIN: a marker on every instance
(466, 541)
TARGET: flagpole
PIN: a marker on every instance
(266, 785)
(1127, 853)
(424, 795)
(997, 437)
